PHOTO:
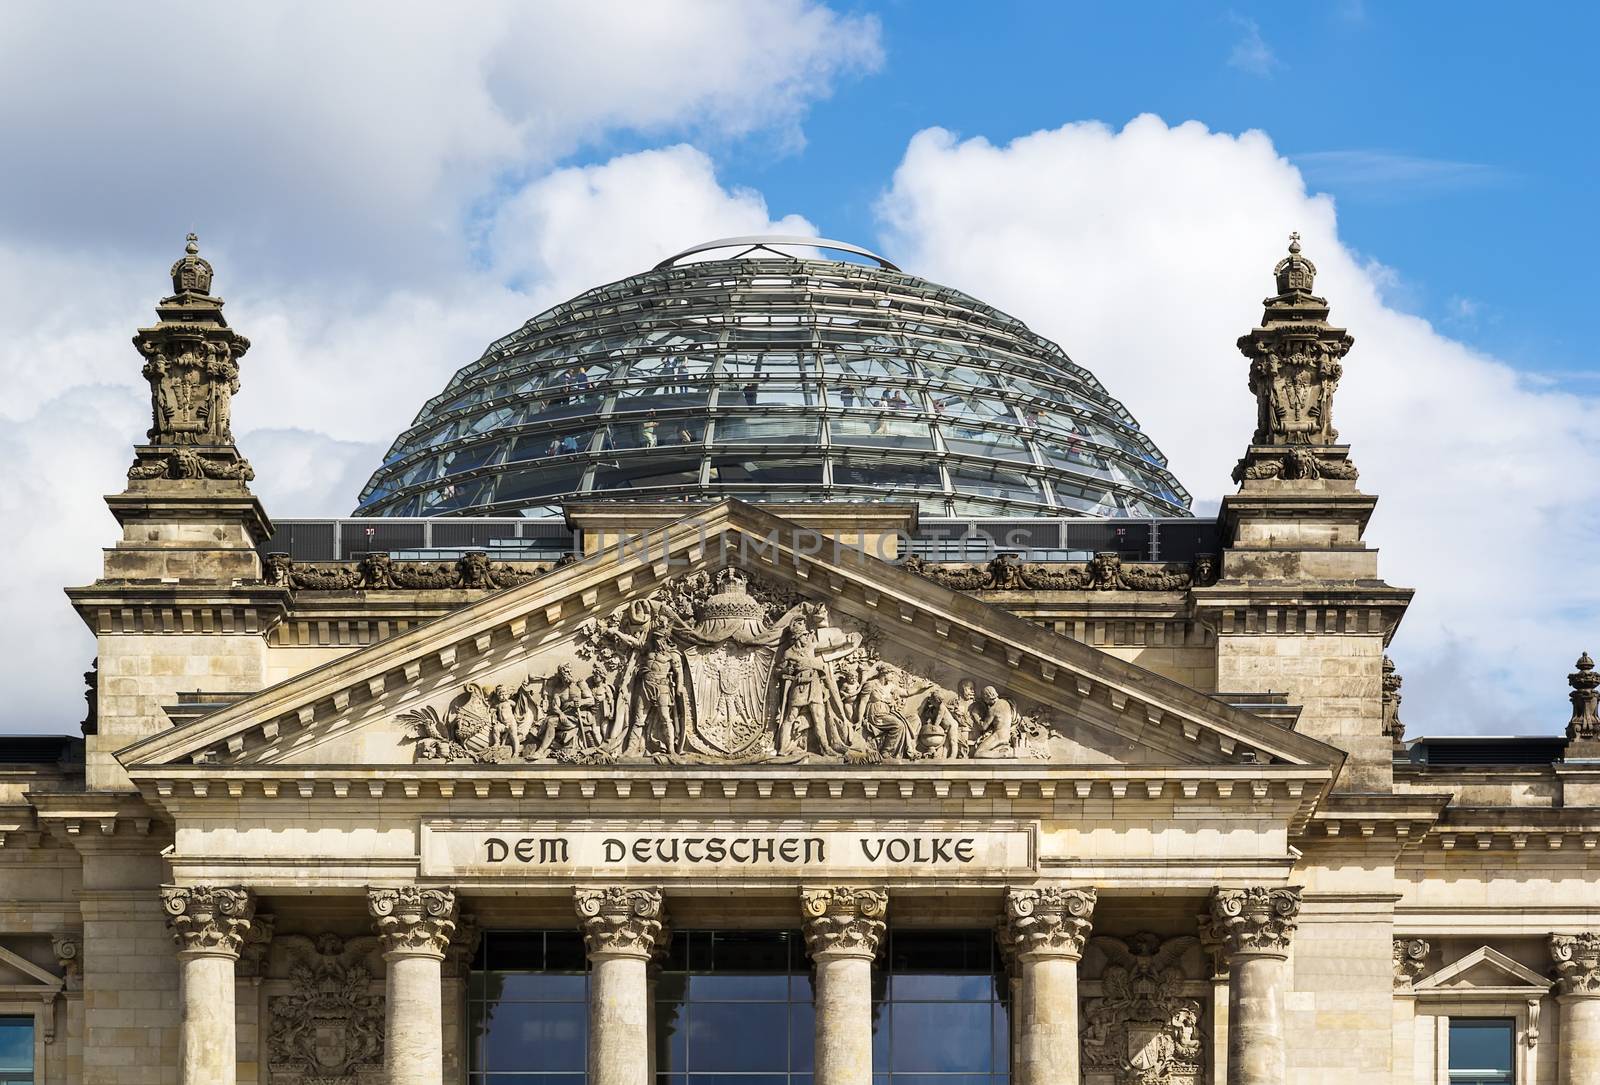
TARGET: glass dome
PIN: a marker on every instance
(773, 375)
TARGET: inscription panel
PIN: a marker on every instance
(544, 849)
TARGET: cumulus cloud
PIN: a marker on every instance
(378, 186)
(1144, 251)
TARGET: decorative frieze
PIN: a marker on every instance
(712, 669)
(1104, 572)
(618, 919)
(208, 919)
(844, 921)
(329, 1029)
(1050, 919)
(412, 919)
(1410, 961)
(1142, 1030)
(1577, 961)
(1256, 919)
(473, 571)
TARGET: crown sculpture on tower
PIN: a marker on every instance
(1295, 365)
(192, 364)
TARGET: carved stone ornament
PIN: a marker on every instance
(1256, 920)
(208, 919)
(192, 366)
(1585, 695)
(1296, 360)
(257, 944)
(1392, 682)
(1142, 1030)
(1050, 920)
(1105, 572)
(411, 919)
(712, 669)
(329, 1030)
(1410, 961)
(68, 949)
(844, 921)
(620, 920)
(1577, 958)
(379, 572)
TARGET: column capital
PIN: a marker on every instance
(208, 919)
(1410, 959)
(1257, 919)
(412, 920)
(844, 921)
(1049, 920)
(1577, 959)
(620, 920)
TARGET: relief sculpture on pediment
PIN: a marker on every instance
(715, 669)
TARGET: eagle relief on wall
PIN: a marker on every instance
(1142, 1030)
(328, 1030)
(713, 669)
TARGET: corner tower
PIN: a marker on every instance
(179, 606)
(1299, 607)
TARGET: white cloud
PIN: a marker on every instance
(346, 167)
(1144, 252)
(1251, 54)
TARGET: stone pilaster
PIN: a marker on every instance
(415, 926)
(621, 928)
(1048, 927)
(1257, 926)
(209, 924)
(843, 929)
(1577, 963)
(1410, 962)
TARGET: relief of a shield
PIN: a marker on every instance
(1148, 1045)
(730, 696)
(329, 1050)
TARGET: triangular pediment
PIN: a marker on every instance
(1484, 969)
(21, 977)
(732, 637)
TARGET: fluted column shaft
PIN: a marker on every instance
(1577, 960)
(622, 928)
(1047, 928)
(843, 929)
(1256, 926)
(209, 924)
(415, 926)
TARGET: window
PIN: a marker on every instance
(16, 1050)
(1481, 1051)
(734, 1008)
(939, 1014)
(527, 1009)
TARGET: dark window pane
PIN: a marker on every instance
(16, 1044)
(730, 1036)
(1481, 1051)
(943, 1037)
(726, 987)
(535, 1036)
(540, 986)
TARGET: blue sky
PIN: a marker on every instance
(1459, 143)
(385, 188)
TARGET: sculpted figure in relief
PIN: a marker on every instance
(711, 670)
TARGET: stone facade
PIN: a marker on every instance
(1173, 791)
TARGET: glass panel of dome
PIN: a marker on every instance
(766, 429)
(1074, 456)
(873, 397)
(477, 455)
(985, 444)
(425, 468)
(866, 366)
(765, 393)
(981, 408)
(919, 474)
(647, 470)
(1003, 482)
(879, 431)
(652, 397)
(539, 482)
(736, 470)
(454, 495)
(1088, 500)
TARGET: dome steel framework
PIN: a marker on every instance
(775, 377)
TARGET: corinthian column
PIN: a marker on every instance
(1256, 926)
(621, 927)
(1577, 958)
(843, 928)
(414, 925)
(1047, 927)
(209, 924)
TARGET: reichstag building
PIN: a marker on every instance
(777, 669)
